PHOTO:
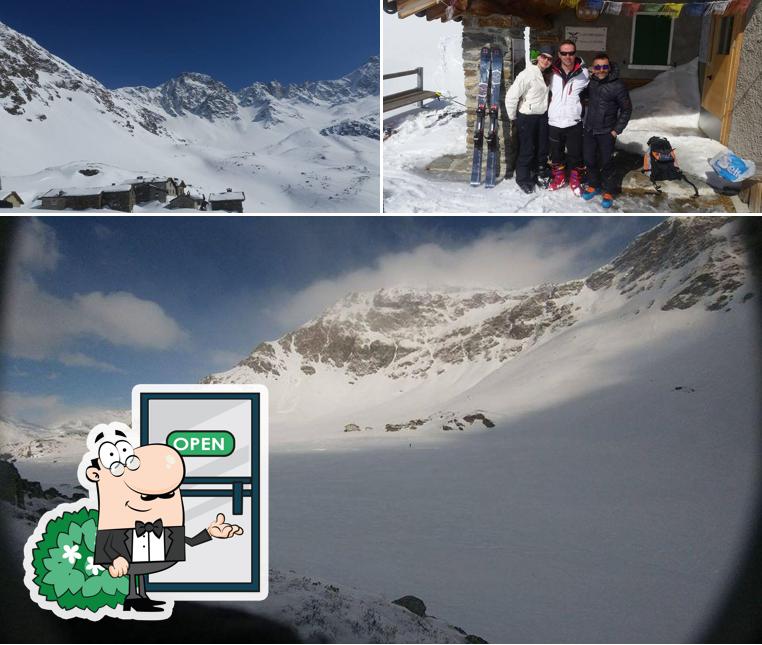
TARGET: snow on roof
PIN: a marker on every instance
(150, 180)
(83, 192)
(72, 192)
(193, 196)
(87, 191)
(226, 197)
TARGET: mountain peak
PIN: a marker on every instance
(414, 332)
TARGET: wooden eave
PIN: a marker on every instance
(533, 12)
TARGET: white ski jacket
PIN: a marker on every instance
(565, 108)
(528, 94)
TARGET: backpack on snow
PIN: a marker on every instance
(660, 163)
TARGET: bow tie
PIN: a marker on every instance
(142, 527)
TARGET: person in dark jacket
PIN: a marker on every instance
(608, 112)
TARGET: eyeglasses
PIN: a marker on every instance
(599, 68)
(567, 53)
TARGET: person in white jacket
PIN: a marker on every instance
(570, 78)
(526, 103)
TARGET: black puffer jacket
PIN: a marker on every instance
(609, 106)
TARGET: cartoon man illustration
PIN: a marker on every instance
(141, 520)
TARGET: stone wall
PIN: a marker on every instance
(745, 132)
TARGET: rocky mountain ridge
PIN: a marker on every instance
(32, 78)
(415, 333)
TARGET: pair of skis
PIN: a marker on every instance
(490, 75)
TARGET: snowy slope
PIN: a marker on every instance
(317, 610)
(56, 120)
(397, 356)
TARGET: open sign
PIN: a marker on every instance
(202, 443)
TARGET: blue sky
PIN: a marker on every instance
(100, 304)
(143, 42)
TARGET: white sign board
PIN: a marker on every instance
(221, 433)
(588, 39)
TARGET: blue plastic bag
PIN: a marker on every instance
(731, 167)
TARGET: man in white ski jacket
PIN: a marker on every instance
(526, 103)
(570, 78)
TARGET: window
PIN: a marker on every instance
(651, 41)
(725, 40)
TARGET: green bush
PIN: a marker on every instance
(64, 569)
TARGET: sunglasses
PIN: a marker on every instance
(599, 68)
(567, 53)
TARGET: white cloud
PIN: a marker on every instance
(78, 359)
(103, 232)
(544, 250)
(224, 358)
(40, 325)
(49, 409)
(27, 406)
(36, 246)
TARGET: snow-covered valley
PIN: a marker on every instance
(294, 148)
(565, 462)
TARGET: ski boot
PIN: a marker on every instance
(543, 171)
(575, 181)
(526, 186)
(558, 179)
(590, 192)
(607, 201)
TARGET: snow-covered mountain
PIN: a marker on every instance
(395, 358)
(569, 462)
(405, 358)
(298, 147)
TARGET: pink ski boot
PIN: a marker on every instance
(575, 181)
(558, 178)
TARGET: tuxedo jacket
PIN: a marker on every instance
(112, 543)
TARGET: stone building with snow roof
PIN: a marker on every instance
(229, 201)
(156, 189)
(78, 199)
(119, 197)
(188, 200)
(10, 200)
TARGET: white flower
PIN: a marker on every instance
(93, 568)
(71, 553)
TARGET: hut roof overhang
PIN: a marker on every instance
(532, 12)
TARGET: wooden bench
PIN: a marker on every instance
(408, 97)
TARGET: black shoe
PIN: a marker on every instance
(140, 604)
(152, 601)
(544, 172)
(527, 187)
(509, 174)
